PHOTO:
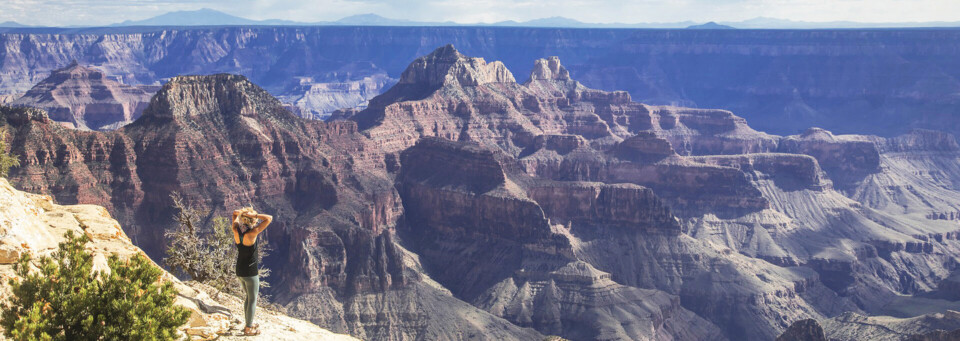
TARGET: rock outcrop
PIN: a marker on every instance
(803, 330)
(85, 98)
(34, 224)
(446, 65)
(493, 235)
(523, 120)
(319, 100)
(847, 158)
(788, 171)
(7, 98)
(917, 177)
(850, 326)
(564, 301)
(920, 140)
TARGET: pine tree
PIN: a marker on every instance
(65, 300)
(6, 160)
(139, 309)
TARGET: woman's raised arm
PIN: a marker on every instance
(235, 225)
(265, 220)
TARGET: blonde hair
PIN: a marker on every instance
(246, 221)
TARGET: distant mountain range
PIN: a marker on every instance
(201, 17)
(12, 24)
(210, 17)
(711, 26)
(764, 22)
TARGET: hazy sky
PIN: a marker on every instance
(101, 12)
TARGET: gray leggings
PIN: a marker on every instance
(251, 286)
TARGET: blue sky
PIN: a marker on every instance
(101, 12)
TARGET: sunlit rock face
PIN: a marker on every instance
(85, 98)
(319, 98)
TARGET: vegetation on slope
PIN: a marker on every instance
(65, 298)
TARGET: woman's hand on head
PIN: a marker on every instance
(265, 220)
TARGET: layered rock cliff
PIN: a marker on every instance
(917, 176)
(495, 237)
(318, 99)
(778, 207)
(85, 98)
(782, 81)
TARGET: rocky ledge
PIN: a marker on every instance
(844, 157)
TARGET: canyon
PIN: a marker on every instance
(862, 81)
(463, 204)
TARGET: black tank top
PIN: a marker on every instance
(247, 259)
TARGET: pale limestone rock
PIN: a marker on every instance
(318, 100)
(446, 65)
(549, 69)
(9, 254)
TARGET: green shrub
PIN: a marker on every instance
(63, 299)
(6, 160)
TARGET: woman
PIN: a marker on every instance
(245, 235)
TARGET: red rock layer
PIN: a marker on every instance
(85, 98)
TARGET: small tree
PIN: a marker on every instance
(6, 160)
(137, 310)
(207, 254)
(64, 300)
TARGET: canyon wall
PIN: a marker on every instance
(875, 81)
